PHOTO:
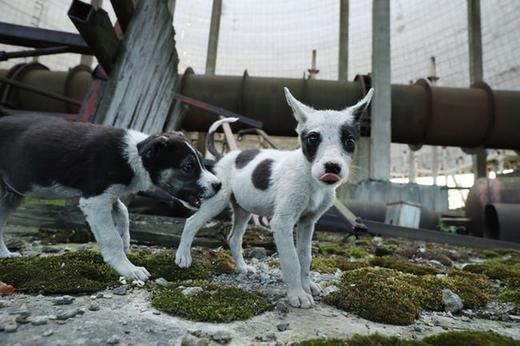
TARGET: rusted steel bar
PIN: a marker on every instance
(96, 29)
(19, 35)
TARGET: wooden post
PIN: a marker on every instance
(140, 91)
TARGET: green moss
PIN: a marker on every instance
(459, 338)
(510, 295)
(205, 263)
(385, 250)
(57, 236)
(213, 304)
(473, 289)
(331, 264)
(323, 342)
(37, 201)
(377, 295)
(77, 272)
(506, 270)
(328, 248)
(402, 265)
(470, 338)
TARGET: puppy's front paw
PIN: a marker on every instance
(133, 272)
(8, 254)
(312, 288)
(245, 269)
(300, 299)
(183, 258)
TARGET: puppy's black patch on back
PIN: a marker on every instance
(309, 149)
(262, 174)
(245, 157)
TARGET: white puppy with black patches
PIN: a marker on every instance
(290, 187)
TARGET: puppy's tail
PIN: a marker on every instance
(210, 141)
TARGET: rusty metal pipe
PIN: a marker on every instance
(502, 221)
(421, 114)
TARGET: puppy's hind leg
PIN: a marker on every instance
(240, 220)
(98, 211)
(9, 201)
(122, 223)
(208, 210)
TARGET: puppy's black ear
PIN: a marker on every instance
(359, 108)
(150, 147)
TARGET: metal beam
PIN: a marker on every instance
(343, 40)
(95, 27)
(382, 102)
(211, 57)
(19, 35)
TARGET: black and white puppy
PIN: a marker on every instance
(291, 187)
(47, 157)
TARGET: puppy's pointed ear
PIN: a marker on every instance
(301, 111)
(151, 147)
(359, 108)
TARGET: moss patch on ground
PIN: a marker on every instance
(470, 338)
(213, 304)
(506, 270)
(57, 236)
(329, 248)
(460, 338)
(510, 295)
(402, 265)
(205, 264)
(377, 295)
(390, 296)
(77, 272)
(331, 264)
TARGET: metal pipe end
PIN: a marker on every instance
(80, 11)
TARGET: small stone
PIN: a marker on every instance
(156, 312)
(65, 300)
(161, 282)
(48, 332)
(417, 329)
(22, 311)
(39, 320)
(50, 249)
(452, 302)
(10, 327)
(330, 289)
(113, 340)
(282, 326)
(107, 296)
(93, 307)
(466, 319)
(22, 319)
(255, 252)
(221, 337)
(266, 338)
(4, 303)
(121, 290)
(65, 315)
(190, 340)
(191, 291)
(100, 295)
(282, 307)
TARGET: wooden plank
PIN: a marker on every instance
(141, 88)
(147, 229)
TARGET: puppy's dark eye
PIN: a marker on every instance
(187, 167)
(313, 138)
(350, 144)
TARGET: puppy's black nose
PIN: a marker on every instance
(331, 167)
(216, 186)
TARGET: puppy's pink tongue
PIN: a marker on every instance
(330, 178)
